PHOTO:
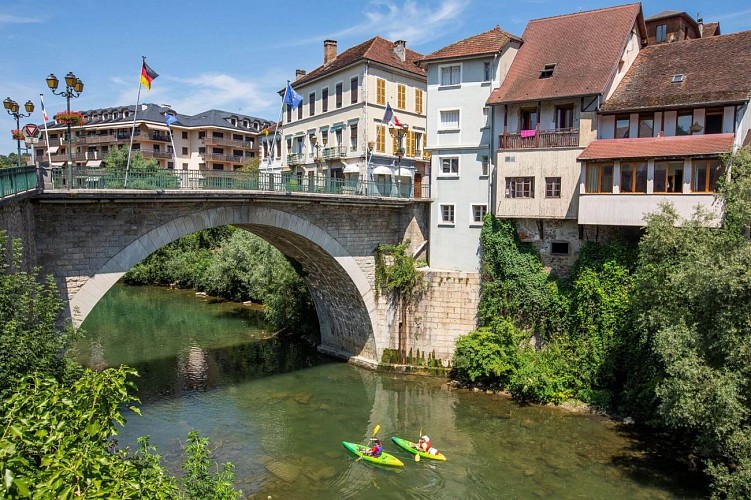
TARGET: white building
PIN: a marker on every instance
(461, 77)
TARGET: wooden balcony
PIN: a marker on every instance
(540, 139)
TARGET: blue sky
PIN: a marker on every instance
(234, 55)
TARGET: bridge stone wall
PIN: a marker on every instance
(89, 243)
(17, 220)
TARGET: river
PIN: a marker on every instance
(279, 411)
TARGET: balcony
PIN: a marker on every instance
(334, 152)
(630, 209)
(221, 141)
(295, 159)
(540, 139)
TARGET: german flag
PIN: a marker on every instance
(147, 75)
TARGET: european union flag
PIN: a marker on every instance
(169, 119)
(292, 98)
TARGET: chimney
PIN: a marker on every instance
(700, 22)
(400, 49)
(329, 51)
(299, 73)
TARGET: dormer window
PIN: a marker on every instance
(677, 78)
(547, 71)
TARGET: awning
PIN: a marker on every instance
(93, 163)
(658, 147)
(337, 126)
(382, 170)
(53, 149)
(352, 169)
(404, 172)
(58, 163)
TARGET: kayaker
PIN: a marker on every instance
(424, 445)
(376, 450)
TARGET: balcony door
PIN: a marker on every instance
(564, 117)
(529, 119)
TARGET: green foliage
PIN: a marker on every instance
(395, 271)
(489, 355)
(198, 482)
(57, 441)
(543, 376)
(142, 173)
(30, 340)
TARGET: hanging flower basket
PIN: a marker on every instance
(73, 118)
(17, 135)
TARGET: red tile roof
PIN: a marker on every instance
(710, 29)
(585, 47)
(658, 147)
(376, 49)
(716, 70)
(487, 43)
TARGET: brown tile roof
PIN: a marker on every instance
(715, 70)
(376, 49)
(489, 42)
(658, 147)
(710, 29)
(585, 47)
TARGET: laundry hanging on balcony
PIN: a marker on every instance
(528, 133)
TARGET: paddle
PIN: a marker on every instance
(375, 431)
(417, 455)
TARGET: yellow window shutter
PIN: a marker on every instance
(381, 138)
(380, 91)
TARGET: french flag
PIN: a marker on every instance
(390, 118)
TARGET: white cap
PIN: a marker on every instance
(426, 438)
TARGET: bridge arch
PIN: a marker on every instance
(342, 293)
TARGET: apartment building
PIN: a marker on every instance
(211, 140)
(545, 115)
(461, 77)
(663, 131)
(337, 131)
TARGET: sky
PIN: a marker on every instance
(234, 55)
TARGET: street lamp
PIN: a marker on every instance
(316, 157)
(12, 108)
(73, 88)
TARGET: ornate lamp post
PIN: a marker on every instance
(316, 157)
(73, 88)
(12, 108)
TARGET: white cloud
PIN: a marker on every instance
(10, 19)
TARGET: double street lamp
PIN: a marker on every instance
(13, 109)
(73, 88)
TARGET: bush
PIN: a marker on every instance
(489, 355)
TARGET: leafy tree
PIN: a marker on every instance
(198, 482)
(142, 173)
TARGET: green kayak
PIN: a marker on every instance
(410, 447)
(384, 459)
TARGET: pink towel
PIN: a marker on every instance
(528, 133)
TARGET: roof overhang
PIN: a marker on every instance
(658, 147)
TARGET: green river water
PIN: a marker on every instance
(279, 411)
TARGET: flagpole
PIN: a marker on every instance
(277, 131)
(172, 141)
(46, 132)
(133, 129)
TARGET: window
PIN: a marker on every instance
(185, 135)
(485, 116)
(338, 95)
(312, 104)
(564, 117)
(185, 151)
(411, 143)
(559, 247)
(450, 166)
(599, 178)
(622, 126)
(485, 166)
(185, 166)
(478, 213)
(202, 134)
(662, 33)
(552, 187)
(633, 177)
(353, 90)
(299, 112)
(418, 101)
(353, 137)
(450, 119)
(547, 71)
(380, 91)
(520, 187)
(451, 75)
(381, 138)
(486, 73)
(401, 96)
(324, 99)
(325, 137)
(447, 214)
(528, 119)
(289, 113)
(677, 78)
(683, 123)
(713, 121)
(705, 175)
(668, 177)
(646, 125)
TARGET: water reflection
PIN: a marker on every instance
(279, 411)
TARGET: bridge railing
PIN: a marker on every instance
(100, 178)
(17, 180)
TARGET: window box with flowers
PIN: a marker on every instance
(17, 135)
(73, 118)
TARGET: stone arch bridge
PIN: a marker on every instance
(89, 239)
